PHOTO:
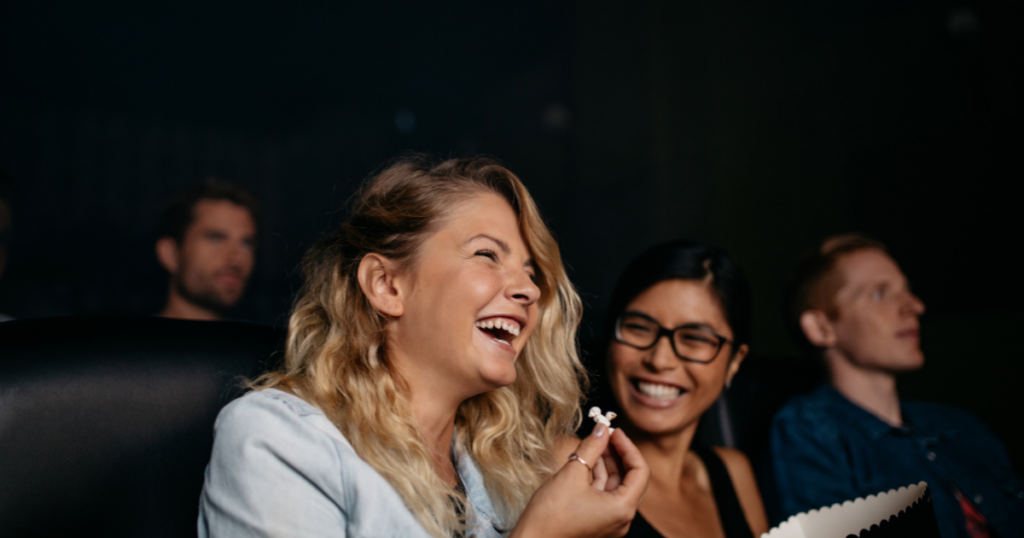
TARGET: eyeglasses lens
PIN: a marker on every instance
(696, 344)
(637, 331)
(692, 344)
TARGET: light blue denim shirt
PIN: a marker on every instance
(281, 468)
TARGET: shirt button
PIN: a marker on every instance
(978, 499)
(932, 456)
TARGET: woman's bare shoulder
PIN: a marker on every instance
(733, 458)
(743, 481)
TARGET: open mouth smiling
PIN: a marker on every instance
(656, 391)
(502, 329)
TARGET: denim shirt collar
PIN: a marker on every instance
(876, 427)
(483, 511)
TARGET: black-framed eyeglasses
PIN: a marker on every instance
(691, 343)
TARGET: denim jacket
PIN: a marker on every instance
(280, 468)
(825, 449)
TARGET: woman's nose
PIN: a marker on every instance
(662, 357)
(524, 290)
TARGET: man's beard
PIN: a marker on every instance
(207, 298)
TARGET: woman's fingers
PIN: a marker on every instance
(590, 449)
(600, 476)
(578, 501)
(613, 468)
(634, 483)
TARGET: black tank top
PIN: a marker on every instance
(729, 510)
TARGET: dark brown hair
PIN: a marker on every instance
(180, 211)
(688, 260)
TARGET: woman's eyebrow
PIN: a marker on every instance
(641, 314)
(530, 262)
(690, 325)
(501, 244)
(697, 325)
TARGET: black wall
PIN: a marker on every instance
(762, 127)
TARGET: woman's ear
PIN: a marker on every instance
(818, 328)
(377, 280)
(734, 363)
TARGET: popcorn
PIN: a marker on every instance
(606, 419)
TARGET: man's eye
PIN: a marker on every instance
(878, 295)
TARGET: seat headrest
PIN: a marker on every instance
(107, 423)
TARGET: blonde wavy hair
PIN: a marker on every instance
(337, 354)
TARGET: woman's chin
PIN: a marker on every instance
(657, 421)
(497, 377)
(657, 426)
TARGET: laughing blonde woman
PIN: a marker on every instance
(431, 381)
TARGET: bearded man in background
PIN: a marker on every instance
(207, 244)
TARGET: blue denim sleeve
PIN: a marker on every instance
(273, 472)
(810, 465)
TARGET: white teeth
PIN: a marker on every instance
(509, 326)
(503, 342)
(657, 390)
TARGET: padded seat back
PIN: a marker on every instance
(106, 424)
(762, 386)
(742, 415)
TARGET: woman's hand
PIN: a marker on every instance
(594, 496)
(608, 471)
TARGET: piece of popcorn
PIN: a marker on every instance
(606, 419)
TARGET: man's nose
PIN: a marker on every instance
(240, 254)
(913, 305)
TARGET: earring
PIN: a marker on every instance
(728, 383)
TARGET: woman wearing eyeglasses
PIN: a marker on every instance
(679, 321)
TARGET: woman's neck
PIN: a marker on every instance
(435, 420)
(434, 405)
(665, 454)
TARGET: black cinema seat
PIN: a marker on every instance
(762, 386)
(742, 416)
(106, 424)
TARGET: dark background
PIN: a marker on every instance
(761, 127)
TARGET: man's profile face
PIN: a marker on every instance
(216, 255)
(877, 324)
